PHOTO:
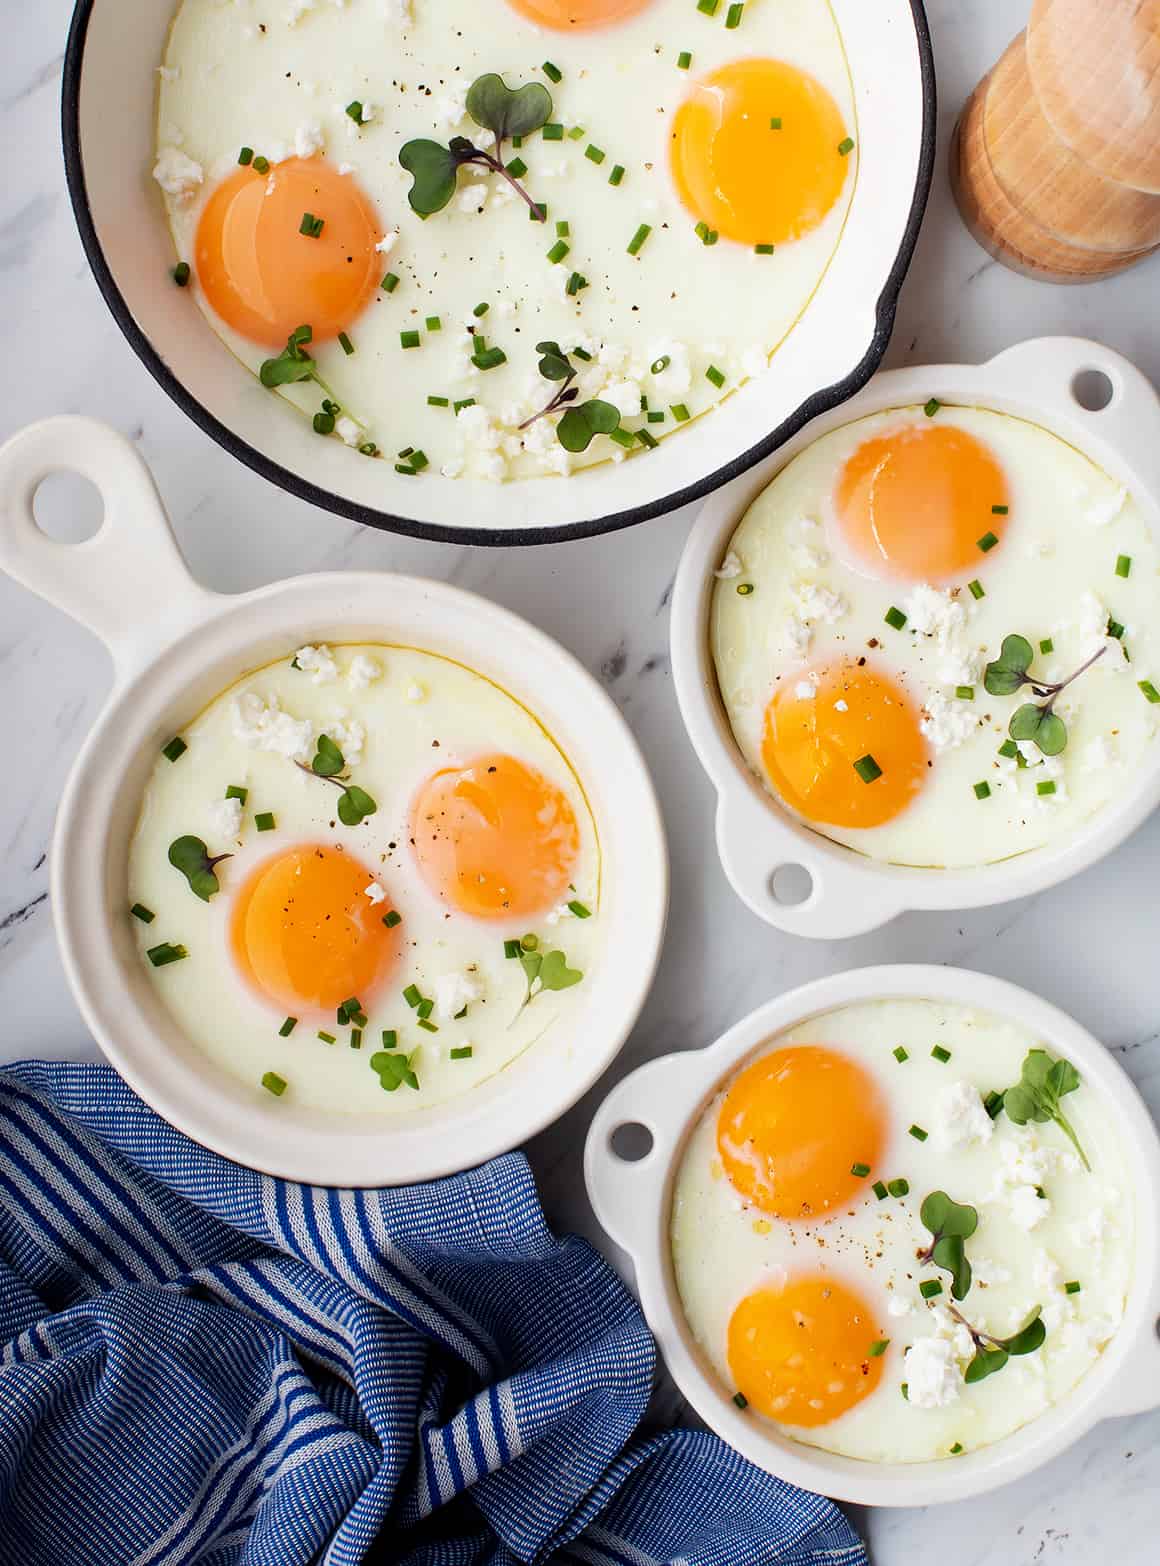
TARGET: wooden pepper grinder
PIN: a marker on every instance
(1055, 160)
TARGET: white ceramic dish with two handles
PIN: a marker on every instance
(175, 646)
(1041, 380)
(108, 122)
(632, 1200)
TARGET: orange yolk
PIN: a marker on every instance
(496, 839)
(810, 747)
(305, 932)
(577, 15)
(793, 1124)
(265, 278)
(801, 1353)
(737, 173)
(916, 501)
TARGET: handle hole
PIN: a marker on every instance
(791, 885)
(68, 507)
(1093, 390)
(631, 1141)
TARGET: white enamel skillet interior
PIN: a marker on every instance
(1042, 380)
(175, 646)
(108, 113)
(632, 1200)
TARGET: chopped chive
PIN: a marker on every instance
(511, 948)
(1046, 788)
(745, 589)
(464, 402)
(982, 790)
(409, 339)
(246, 156)
(323, 423)
(905, 1390)
(236, 791)
(287, 1027)
(894, 618)
(707, 7)
(930, 1289)
(763, 250)
(918, 1133)
(139, 911)
(181, 274)
(976, 589)
(622, 438)
(684, 60)
(359, 1018)
(993, 1103)
(517, 141)
(581, 353)
(733, 16)
(956, 1449)
(940, 1054)
(558, 251)
(356, 1038)
(311, 226)
(351, 1004)
(261, 165)
(1115, 630)
(517, 168)
(390, 283)
(354, 111)
(1071, 1288)
(879, 1189)
(481, 309)
(392, 919)
(714, 374)
(428, 1027)
(406, 470)
(438, 402)
(858, 1170)
(341, 1016)
(1000, 511)
(264, 821)
(867, 769)
(434, 323)
(878, 1348)
(987, 542)
(931, 407)
(1009, 749)
(464, 1052)
(390, 1038)
(562, 230)
(1149, 690)
(680, 412)
(273, 1083)
(1047, 645)
(707, 235)
(617, 174)
(161, 956)
(638, 239)
(413, 995)
(576, 133)
(647, 438)
(552, 72)
(575, 283)
(965, 692)
(899, 1187)
(594, 154)
(900, 1054)
(845, 146)
(577, 907)
(552, 132)
(175, 749)
(424, 1008)
(327, 1038)
(489, 358)
(775, 122)
(1123, 565)
(656, 416)
(738, 1397)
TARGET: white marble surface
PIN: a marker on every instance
(1089, 945)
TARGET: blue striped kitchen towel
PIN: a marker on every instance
(201, 1364)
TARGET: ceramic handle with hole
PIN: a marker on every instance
(128, 583)
(626, 1193)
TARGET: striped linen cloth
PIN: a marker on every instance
(202, 1364)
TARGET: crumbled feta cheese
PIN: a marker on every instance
(177, 174)
(374, 894)
(1027, 1208)
(369, 110)
(624, 397)
(932, 1373)
(897, 1306)
(841, 705)
(308, 140)
(931, 611)
(318, 662)
(561, 911)
(350, 737)
(960, 1119)
(948, 1327)
(262, 725)
(451, 109)
(1092, 620)
(1105, 508)
(363, 671)
(806, 690)
(225, 817)
(388, 242)
(947, 721)
(454, 991)
(813, 603)
(347, 430)
(1091, 1230)
(989, 1273)
(416, 692)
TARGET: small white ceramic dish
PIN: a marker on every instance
(1048, 381)
(175, 646)
(632, 1201)
(108, 113)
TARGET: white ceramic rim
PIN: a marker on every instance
(632, 1202)
(176, 645)
(107, 106)
(755, 837)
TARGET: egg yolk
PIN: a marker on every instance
(849, 754)
(496, 838)
(263, 276)
(801, 1353)
(305, 932)
(917, 501)
(754, 151)
(792, 1126)
(577, 15)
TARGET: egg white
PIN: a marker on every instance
(723, 1248)
(249, 75)
(1052, 576)
(423, 713)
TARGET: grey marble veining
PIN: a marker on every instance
(1089, 945)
